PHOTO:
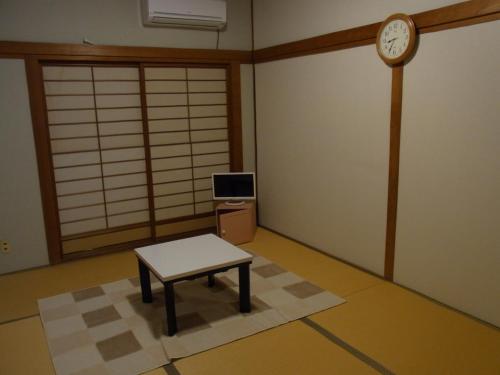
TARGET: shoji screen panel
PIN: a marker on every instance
(208, 130)
(133, 148)
(96, 135)
(119, 115)
(188, 136)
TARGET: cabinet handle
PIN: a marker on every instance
(223, 232)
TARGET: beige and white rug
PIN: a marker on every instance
(108, 330)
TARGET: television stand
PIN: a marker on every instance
(234, 203)
(236, 223)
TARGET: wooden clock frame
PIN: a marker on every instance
(411, 43)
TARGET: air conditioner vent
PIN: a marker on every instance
(198, 14)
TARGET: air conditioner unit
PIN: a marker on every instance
(197, 14)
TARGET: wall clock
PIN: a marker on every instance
(396, 38)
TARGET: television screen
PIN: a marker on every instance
(233, 186)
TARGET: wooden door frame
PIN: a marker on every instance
(42, 137)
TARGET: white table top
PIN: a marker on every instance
(189, 256)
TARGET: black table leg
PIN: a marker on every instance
(170, 308)
(211, 280)
(147, 296)
(244, 278)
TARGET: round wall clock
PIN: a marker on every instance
(396, 38)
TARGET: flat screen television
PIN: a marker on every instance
(235, 186)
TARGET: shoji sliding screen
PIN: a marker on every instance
(187, 122)
(132, 150)
(95, 125)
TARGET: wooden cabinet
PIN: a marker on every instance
(236, 224)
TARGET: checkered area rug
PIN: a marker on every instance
(108, 330)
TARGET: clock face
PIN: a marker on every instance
(394, 39)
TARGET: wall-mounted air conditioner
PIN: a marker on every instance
(197, 14)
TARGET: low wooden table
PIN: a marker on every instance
(189, 259)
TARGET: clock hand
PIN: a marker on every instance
(392, 44)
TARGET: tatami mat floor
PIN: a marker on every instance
(381, 329)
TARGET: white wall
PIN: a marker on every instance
(113, 22)
(21, 221)
(314, 121)
(322, 137)
(282, 21)
(448, 229)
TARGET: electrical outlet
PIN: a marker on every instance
(5, 247)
